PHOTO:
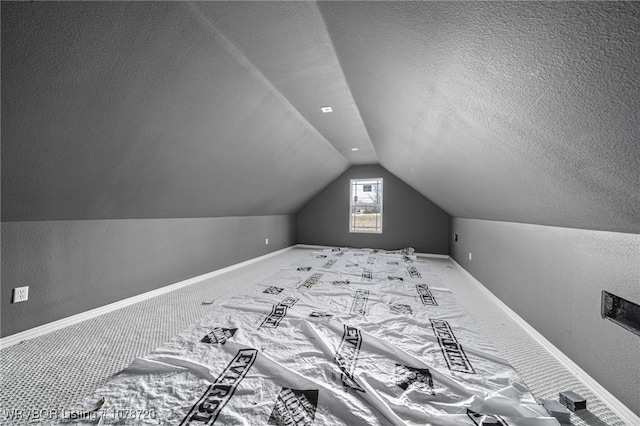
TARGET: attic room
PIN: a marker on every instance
(163, 159)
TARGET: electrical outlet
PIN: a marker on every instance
(469, 255)
(266, 241)
(20, 294)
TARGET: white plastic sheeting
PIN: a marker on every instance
(353, 337)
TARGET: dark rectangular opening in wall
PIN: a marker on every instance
(621, 311)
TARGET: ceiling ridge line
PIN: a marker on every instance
(255, 71)
(344, 76)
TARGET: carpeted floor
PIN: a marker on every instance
(53, 371)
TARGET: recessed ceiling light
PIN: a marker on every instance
(326, 109)
(354, 149)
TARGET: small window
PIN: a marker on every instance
(365, 210)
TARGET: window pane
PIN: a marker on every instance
(366, 205)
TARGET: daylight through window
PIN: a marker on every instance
(365, 211)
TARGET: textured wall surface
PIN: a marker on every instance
(553, 278)
(408, 218)
(74, 266)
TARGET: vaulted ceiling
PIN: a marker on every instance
(514, 111)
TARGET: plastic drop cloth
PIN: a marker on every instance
(351, 337)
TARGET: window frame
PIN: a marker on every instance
(379, 182)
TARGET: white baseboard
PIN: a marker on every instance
(437, 256)
(83, 316)
(311, 246)
(625, 414)
(434, 256)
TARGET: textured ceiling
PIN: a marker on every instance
(144, 110)
(289, 44)
(523, 111)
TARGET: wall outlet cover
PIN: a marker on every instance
(20, 294)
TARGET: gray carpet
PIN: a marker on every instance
(54, 371)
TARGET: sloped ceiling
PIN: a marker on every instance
(523, 111)
(145, 110)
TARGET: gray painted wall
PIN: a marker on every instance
(74, 266)
(409, 219)
(552, 277)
